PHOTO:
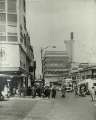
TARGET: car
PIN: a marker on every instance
(68, 89)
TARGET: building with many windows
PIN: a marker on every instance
(56, 66)
(16, 53)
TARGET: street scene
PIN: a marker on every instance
(47, 60)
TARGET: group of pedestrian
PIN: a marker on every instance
(82, 91)
(36, 91)
(45, 92)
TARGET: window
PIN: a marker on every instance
(2, 6)
(12, 19)
(2, 17)
(12, 38)
(2, 38)
(12, 34)
(2, 28)
(12, 30)
(12, 5)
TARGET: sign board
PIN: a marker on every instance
(9, 55)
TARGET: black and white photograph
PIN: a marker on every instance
(47, 59)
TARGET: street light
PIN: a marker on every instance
(42, 50)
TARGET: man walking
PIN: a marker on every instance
(53, 92)
(76, 90)
(92, 93)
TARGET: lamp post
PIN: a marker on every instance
(42, 50)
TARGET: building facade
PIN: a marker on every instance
(56, 66)
(81, 74)
(16, 53)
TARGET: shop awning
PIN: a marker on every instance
(5, 75)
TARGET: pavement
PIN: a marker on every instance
(69, 108)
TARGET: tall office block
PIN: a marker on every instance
(56, 66)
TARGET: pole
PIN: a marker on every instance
(42, 67)
(41, 62)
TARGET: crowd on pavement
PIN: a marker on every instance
(47, 92)
(40, 91)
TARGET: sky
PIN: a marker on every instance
(50, 22)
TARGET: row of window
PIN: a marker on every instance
(11, 5)
(12, 18)
(54, 72)
(8, 34)
(11, 30)
(10, 38)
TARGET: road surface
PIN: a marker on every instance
(69, 108)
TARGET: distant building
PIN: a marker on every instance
(16, 53)
(69, 44)
(88, 72)
(56, 65)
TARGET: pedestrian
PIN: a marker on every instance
(33, 92)
(38, 91)
(29, 91)
(53, 92)
(17, 92)
(76, 90)
(63, 90)
(92, 93)
(42, 91)
(45, 92)
(48, 92)
(14, 91)
(83, 91)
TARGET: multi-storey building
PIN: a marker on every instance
(16, 53)
(56, 65)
